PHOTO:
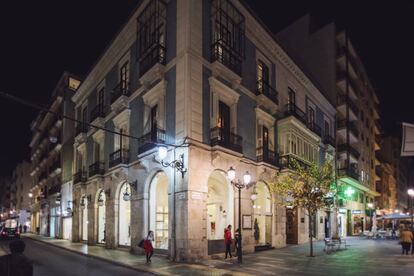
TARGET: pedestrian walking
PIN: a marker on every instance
(149, 250)
(406, 240)
(15, 263)
(25, 228)
(20, 228)
(227, 241)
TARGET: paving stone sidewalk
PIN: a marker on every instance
(362, 257)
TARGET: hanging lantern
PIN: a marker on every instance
(100, 200)
(57, 201)
(82, 203)
(127, 195)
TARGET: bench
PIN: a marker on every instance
(330, 246)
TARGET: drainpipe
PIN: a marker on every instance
(174, 216)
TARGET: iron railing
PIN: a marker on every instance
(150, 140)
(268, 156)
(120, 156)
(287, 161)
(222, 137)
(349, 171)
(79, 177)
(264, 88)
(97, 168)
(220, 52)
(121, 89)
(350, 149)
(156, 54)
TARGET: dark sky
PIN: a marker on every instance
(41, 39)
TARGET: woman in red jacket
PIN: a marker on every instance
(227, 240)
(149, 250)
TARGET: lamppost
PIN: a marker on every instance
(411, 194)
(370, 206)
(231, 174)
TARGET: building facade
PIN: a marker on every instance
(22, 183)
(47, 207)
(330, 58)
(207, 81)
(387, 188)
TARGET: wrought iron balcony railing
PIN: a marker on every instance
(350, 149)
(267, 90)
(350, 125)
(97, 168)
(222, 53)
(268, 156)
(121, 89)
(98, 111)
(329, 140)
(222, 137)
(79, 177)
(120, 156)
(150, 140)
(287, 161)
(349, 171)
(155, 54)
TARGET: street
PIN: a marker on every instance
(49, 260)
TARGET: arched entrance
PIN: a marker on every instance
(220, 210)
(84, 218)
(124, 222)
(101, 199)
(262, 208)
(159, 222)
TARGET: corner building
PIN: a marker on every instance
(207, 77)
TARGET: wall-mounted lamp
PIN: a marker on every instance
(177, 164)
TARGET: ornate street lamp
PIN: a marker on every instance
(231, 174)
(82, 203)
(100, 199)
(127, 195)
(411, 194)
(178, 164)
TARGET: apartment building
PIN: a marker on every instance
(331, 59)
(47, 158)
(22, 182)
(184, 92)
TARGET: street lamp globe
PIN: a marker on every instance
(370, 205)
(30, 195)
(162, 152)
(253, 197)
(411, 192)
(246, 178)
(231, 174)
(396, 211)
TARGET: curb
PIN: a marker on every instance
(94, 257)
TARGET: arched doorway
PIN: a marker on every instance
(262, 208)
(84, 218)
(159, 222)
(220, 210)
(124, 222)
(101, 199)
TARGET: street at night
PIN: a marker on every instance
(206, 137)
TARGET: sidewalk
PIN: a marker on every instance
(160, 265)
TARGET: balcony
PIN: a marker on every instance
(150, 140)
(121, 89)
(98, 111)
(350, 149)
(343, 103)
(155, 54)
(81, 128)
(264, 88)
(329, 140)
(351, 171)
(287, 161)
(54, 189)
(221, 137)
(120, 156)
(344, 126)
(293, 110)
(266, 156)
(79, 177)
(97, 168)
(222, 53)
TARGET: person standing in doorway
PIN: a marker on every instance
(406, 239)
(149, 250)
(227, 241)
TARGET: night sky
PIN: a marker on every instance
(41, 39)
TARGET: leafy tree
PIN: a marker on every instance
(305, 187)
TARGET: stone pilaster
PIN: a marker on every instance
(110, 223)
(91, 224)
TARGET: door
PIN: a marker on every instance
(291, 226)
(153, 121)
(268, 238)
(224, 123)
(265, 140)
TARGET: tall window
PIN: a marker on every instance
(101, 99)
(153, 121)
(291, 99)
(327, 129)
(124, 77)
(151, 35)
(311, 116)
(84, 116)
(227, 43)
(262, 77)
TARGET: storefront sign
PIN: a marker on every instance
(342, 210)
(355, 212)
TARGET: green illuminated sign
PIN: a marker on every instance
(349, 192)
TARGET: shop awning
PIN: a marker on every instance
(394, 216)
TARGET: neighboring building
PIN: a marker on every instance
(47, 158)
(333, 61)
(206, 79)
(22, 182)
(5, 197)
(387, 188)
(390, 152)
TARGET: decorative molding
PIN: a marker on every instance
(265, 118)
